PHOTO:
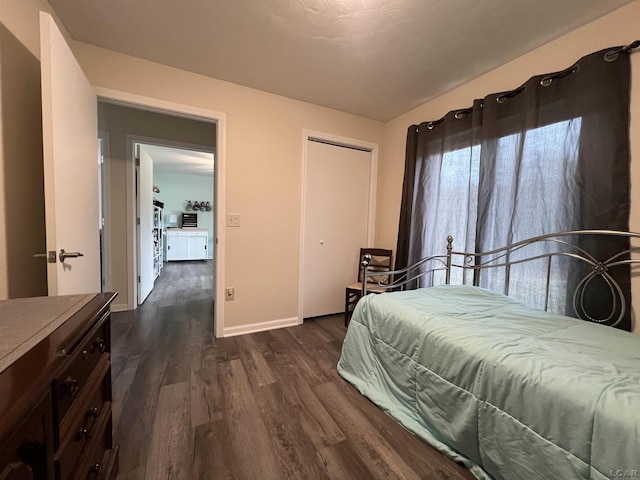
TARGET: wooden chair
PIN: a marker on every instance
(380, 262)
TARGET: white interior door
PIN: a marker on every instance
(145, 228)
(70, 144)
(336, 221)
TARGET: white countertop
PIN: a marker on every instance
(25, 322)
(187, 229)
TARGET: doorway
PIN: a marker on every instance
(338, 209)
(173, 181)
(154, 122)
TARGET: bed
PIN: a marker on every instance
(510, 391)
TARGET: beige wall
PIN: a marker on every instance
(617, 28)
(263, 171)
(118, 122)
(264, 150)
(21, 172)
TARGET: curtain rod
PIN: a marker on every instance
(610, 56)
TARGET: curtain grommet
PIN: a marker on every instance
(546, 81)
(430, 125)
(458, 115)
(500, 99)
(611, 56)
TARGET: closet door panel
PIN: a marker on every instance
(337, 192)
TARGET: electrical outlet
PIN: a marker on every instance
(230, 294)
(233, 219)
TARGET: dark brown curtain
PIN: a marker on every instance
(550, 156)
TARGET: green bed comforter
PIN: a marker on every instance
(509, 391)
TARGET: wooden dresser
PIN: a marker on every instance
(55, 389)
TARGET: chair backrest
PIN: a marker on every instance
(380, 262)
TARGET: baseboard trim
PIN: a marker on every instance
(119, 307)
(260, 327)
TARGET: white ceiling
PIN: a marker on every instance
(178, 160)
(374, 58)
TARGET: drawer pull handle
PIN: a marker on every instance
(101, 344)
(83, 433)
(72, 386)
(86, 431)
(95, 470)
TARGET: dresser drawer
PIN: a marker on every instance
(92, 466)
(108, 468)
(84, 357)
(78, 435)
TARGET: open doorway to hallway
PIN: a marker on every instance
(124, 126)
(174, 201)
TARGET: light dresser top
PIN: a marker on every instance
(25, 322)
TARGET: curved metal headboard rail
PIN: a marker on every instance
(398, 279)
(501, 258)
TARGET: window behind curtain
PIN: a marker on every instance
(550, 156)
(536, 193)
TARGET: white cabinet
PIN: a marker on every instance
(197, 246)
(177, 247)
(187, 244)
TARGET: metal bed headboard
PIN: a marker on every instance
(560, 245)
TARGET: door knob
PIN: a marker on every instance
(64, 255)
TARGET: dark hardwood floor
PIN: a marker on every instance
(268, 405)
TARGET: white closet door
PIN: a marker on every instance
(336, 220)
